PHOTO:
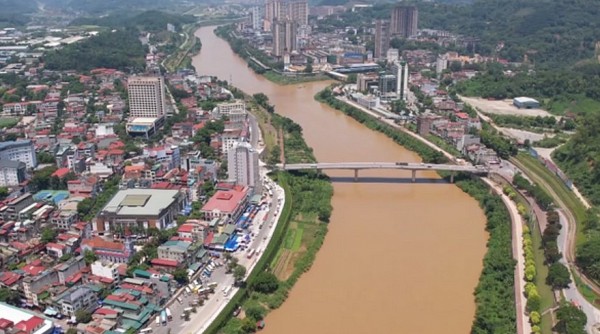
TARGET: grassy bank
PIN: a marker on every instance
(560, 190)
(299, 234)
(495, 310)
(281, 79)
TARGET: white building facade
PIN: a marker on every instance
(146, 97)
(242, 166)
(21, 150)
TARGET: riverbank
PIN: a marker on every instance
(260, 63)
(299, 234)
(494, 295)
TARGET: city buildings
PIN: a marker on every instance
(235, 111)
(382, 38)
(404, 21)
(284, 37)
(256, 13)
(140, 208)
(109, 251)
(242, 166)
(295, 11)
(20, 150)
(17, 320)
(12, 173)
(105, 269)
(77, 298)
(146, 97)
(401, 72)
(226, 203)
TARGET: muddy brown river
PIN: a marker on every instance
(399, 257)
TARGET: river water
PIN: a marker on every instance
(399, 257)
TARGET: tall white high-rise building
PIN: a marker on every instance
(257, 16)
(242, 166)
(401, 72)
(441, 64)
(146, 97)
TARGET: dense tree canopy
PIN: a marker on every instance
(119, 49)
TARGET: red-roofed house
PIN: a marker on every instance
(166, 264)
(84, 187)
(57, 250)
(192, 230)
(9, 278)
(226, 203)
(107, 250)
(61, 172)
(31, 325)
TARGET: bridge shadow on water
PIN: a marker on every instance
(378, 179)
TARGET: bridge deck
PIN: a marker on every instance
(385, 165)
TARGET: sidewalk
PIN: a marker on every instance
(523, 325)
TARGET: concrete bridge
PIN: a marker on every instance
(413, 167)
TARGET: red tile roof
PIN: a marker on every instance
(98, 242)
(164, 262)
(225, 201)
(30, 325)
(61, 172)
(186, 228)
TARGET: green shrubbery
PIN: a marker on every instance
(494, 294)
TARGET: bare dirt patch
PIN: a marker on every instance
(502, 107)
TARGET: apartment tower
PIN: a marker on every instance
(284, 37)
(382, 38)
(242, 166)
(404, 21)
(146, 97)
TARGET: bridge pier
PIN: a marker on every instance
(452, 177)
(414, 175)
(356, 175)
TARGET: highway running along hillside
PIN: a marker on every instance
(399, 255)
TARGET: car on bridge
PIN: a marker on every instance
(401, 163)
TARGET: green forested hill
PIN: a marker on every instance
(151, 20)
(120, 49)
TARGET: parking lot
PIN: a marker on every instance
(259, 238)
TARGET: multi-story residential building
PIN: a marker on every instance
(404, 21)
(175, 250)
(69, 268)
(382, 38)
(297, 11)
(235, 111)
(20, 150)
(284, 37)
(15, 205)
(167, 154)
(77, 298)
(257, 16)
(140, 208)
(105, 269)
(229, 138)
(146, 97)
(63, 219)
(242, 166)
(34, 286)
(105, 250)
(83, 187)
(12, 173)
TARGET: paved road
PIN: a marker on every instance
(399, 127)
(523, 325)
(571, 293)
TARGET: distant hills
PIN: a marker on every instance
(151, 21)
